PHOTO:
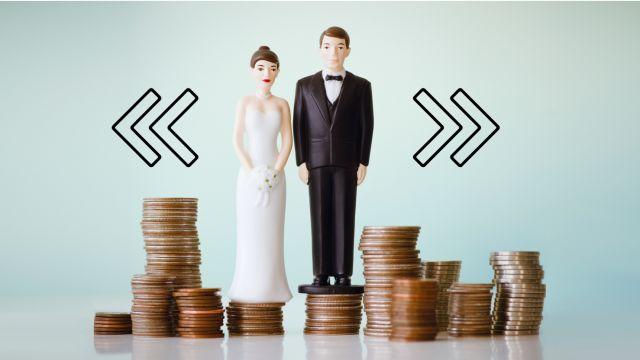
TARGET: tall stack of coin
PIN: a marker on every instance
(200, 313)
(517, 309)
(333, 314)
(447, 273)
(254, 319)
(171, 239)
(470, 309)
(389, 253)
(112, 323)
(151, 313)
(413, 310)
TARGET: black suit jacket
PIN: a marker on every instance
(345, 141)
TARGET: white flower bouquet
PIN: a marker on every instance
(265, 179)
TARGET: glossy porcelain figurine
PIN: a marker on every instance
(332, 127)
(261, 188)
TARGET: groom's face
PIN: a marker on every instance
(334, 51)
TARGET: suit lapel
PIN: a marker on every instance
(346, 92)
(320, 96)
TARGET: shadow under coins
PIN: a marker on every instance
(333, 347)
(445, 347)
(255, 347)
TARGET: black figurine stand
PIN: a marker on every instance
(330, 289)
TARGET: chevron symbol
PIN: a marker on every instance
(165, 134)
(449, 129)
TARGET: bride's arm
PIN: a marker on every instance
(238, 137)
(285, 134)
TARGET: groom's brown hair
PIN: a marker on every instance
(336, 32)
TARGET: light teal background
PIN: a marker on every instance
(561, 176)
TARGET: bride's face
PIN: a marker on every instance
(265, 73)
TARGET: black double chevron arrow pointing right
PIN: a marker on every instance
(465, 103)
(175, 111)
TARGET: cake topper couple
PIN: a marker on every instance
(332, 132)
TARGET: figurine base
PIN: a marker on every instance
(330, 289)
(332, 313)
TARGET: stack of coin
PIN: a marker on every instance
(200, 313)
(470, 309)
(254, 319)
(447, 273)
(413, 310)
(112, 323)
(388, 252)
(171, 239)
(520, 293)
(151, 313)
(333, 314)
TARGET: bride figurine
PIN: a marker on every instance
(259, 275)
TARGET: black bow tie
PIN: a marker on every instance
(333, 77)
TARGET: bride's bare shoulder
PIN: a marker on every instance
(244, 101)
(281, 102)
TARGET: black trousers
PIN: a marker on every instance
(332, 197)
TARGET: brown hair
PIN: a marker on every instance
(336, 32)
(264, 53)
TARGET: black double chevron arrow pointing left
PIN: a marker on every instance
(151, 98)
(466, 104)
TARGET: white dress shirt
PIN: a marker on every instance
(333, 86)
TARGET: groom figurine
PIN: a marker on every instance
(332, 130)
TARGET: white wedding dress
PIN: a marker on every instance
(259, 272)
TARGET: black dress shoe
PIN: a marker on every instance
(321, 281)
(343, 281)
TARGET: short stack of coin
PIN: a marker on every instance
(200, 313)
(112, 323)
(413, 310)
(470, 309)
(254, 319)
(171, 239)
(151, 313)
(388, 253)
(333, 314)
(520, 293)
(447, 273)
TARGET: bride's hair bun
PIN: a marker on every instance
(264, 53)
